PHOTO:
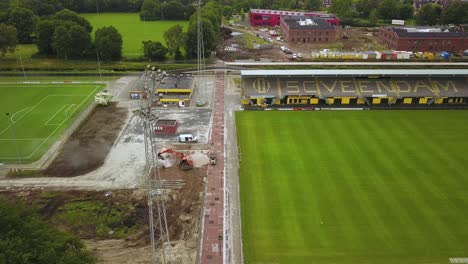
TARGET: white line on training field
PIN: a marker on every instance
(13, 115)
(20, 139)
(66, 111)
(68, 95)
(52, 117)
(27, 112)
(45, 140)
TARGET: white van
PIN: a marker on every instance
(187, 138)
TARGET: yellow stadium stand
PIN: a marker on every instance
(408, 100)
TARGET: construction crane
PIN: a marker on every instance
(185, 162)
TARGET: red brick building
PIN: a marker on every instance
(266, 17)
(308, 30)
(423, 39)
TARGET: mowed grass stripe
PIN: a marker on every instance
(437, 185)
(381, 195)
(368, 211)
(385, 165)
(396, 204)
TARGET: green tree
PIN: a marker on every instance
(24, 21)
(25, 238)
(68, 15)
(71, 40)
(342, 8)
(227, 12)
(44, 35)
(312, 4)
(365, 7)
(175, 39)
(388, 10)
(242, 14)
(429, 14)
(173, 10)
(406, 10)
(8, 39)
(154, 50)
(209, 37)
(373, 18)
(108, 42)
(42, 7)
(150, 10)
(455, 12)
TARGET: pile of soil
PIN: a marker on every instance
(88, 146)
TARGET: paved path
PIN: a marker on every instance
(213, 213)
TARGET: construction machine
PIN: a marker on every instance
(184, 164)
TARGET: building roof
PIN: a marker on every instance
(290, 13)
(357, 73)
(176, 82)
(426, 32)
(306, 23)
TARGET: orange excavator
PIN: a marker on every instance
(185, 162)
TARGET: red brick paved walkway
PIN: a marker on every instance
(212, 240)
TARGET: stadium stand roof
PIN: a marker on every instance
(358, 72)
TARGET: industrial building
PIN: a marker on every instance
(423, 39)
(265, 17)
(305, 29)
(363, 88)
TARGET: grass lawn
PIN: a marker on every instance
(23, 50)
(133, 30)
(39, 113)
(354, 187)
(250, 40)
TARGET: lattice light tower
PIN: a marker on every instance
(201, 81)
(151, 80)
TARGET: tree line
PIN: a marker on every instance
(177, 40)
(456, 12)
(63, 34)
(26, 238)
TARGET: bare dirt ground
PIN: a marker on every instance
(88, 146)
(360, 39)
(183, 215)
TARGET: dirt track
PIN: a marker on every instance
(89, 145)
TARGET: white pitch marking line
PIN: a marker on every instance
(17, 139)
(52, 117)
(30, 155)
(11, 118)
(66, 111)
(27, 112)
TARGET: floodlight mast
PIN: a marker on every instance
(201, 82)
(152, 79)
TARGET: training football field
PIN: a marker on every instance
(354, 186)
(33, 116)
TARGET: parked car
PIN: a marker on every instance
(299, 55)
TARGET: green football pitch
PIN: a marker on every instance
(33, 116)
(354, 187)
(133, 30)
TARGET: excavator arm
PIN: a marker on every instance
(185, 163)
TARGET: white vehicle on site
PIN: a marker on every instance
(187, 138)
(294, 56)
(299, 55)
